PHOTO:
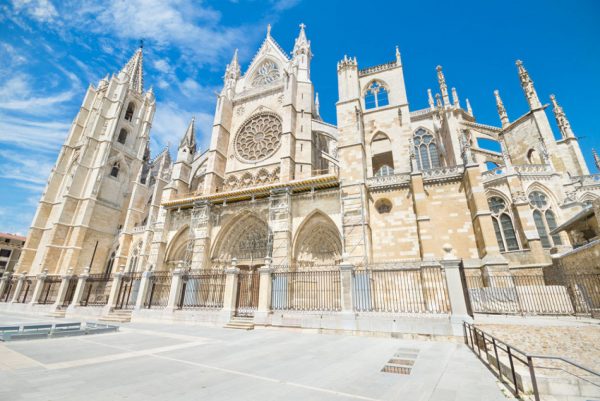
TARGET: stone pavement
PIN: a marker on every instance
(192, 362)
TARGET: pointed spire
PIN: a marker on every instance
(596, 159)
(455, 100)
(443, 86)
(501, 109)
(438, 100)
(233, 70)
(134, 70)
(302, 44)
(561, 119)
(317, 106)
(430, 99)
(527, 85)
(398, 59)
(469, 109)
(189, 139)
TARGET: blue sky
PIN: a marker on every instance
(51, 50)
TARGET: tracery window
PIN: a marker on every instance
(544, 219)
(376, 95)
(503, 225)
(258, 138)
(114, 171)
(266, 73)
(122, 136)
(426, 151)
(384, 170)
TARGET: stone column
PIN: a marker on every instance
(176, 284)
(79, 290)
(18, 288)
(62, 290)
(346, 287)
(39, 285)
(457, 295)
(114, 292)
(4, 282)
(230, 293)
(264, 294)
(143, 290)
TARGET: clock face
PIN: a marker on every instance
(258, 138)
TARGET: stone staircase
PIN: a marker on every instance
(117, 316)
(240, 323)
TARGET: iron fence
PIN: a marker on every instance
(516, 368)
(159, 288)
(26, 292)
(306, 290)
(400, 290)
(202, 289)
(97, 290)
(50, 290)
(247, 293)
(128, 290)
(508, 293)
(9, 290)
(70, 293)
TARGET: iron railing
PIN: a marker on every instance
(159, 289)
(50, 290)
(26, 292)
(97, 290)
(508, 293)
(9, 290)
(202, 289)
(306, 290)
(517, 370)
(128, 290)
(247, 293)
(70, 293)
(400, 290)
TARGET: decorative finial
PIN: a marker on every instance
(501, 109)
(302, 26)
(430, 99)
(317, 105)
(527, 85)
(398, 59)
(455, 98)
(268, 30)
(561, 119)
(469, 109)
(438, 100)
(443, 86)
(141, 43)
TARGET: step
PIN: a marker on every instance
(115, 319)
(240, 324)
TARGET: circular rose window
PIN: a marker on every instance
(258, 138)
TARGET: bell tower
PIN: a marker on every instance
(82, 210)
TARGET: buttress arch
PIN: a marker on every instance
(317, 242)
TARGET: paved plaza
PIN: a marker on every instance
(191, 362)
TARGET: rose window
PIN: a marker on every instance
(266, 73)
(258, 138)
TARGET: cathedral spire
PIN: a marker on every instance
(430, 99)
(302, 44)
(443, 86)
(233, 70)
(455, 100)
(527, 85)
(501, 109)
(561, 119)
(189, 139)
(135, 72)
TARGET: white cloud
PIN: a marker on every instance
(27, 172)
(162, 65)
(40, 10)
(171, 122)
(35, 136)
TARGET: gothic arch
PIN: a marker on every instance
(245, 238)
(317, 241)
(536, 186)
(175, 251)
(588, 197)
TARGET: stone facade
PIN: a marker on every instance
(386, 184)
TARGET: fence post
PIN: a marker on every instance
(18, 288)
(114, 292)
(346, 287)
(62, 290)
(39, 285)
(174, 293)
(143, 290)
(79, 290)
(264, 293)
(231, 290)
(4, 282)
(457, 294)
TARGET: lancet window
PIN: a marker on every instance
(503, 225)
(376, 95)
(544, 219)
(426, 151)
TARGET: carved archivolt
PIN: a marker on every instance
(258, 138)
(318, 243)
(245, 240)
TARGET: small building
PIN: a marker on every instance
(10, 250)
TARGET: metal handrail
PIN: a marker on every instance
(496, 343)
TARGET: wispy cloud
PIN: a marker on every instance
(35, 136)
(40, 10)
(30, 172)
